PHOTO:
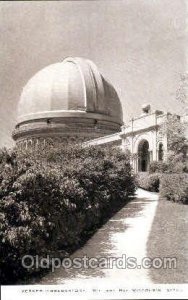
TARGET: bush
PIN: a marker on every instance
(50, 201)
(174, 187)
(149, 182)
(158, 167)
(176, 163)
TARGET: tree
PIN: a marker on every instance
(175, 132)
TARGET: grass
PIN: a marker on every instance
(169, 238)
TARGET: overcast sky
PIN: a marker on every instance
(138, 45)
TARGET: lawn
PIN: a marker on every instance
(169, 238)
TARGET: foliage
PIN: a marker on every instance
(149, 182)
(175, 132)
(158, 167)
(177, 163)
(51, 199)
(174, 164)
(174, 187)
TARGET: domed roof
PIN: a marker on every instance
(74, 86)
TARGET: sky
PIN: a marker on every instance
(138, 45)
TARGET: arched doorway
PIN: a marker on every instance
(143, 156)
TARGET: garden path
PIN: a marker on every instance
(126, 233)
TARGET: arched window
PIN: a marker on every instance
(160, 152)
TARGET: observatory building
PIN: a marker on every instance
(71, 100)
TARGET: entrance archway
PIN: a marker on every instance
(143, 156)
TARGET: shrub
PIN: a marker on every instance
(174, 187)
(50, 201)
(149, 182)
(158, 167)
(176, 163)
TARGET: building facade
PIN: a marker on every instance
(143, 137)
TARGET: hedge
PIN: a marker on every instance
(158, 167)
(50, 201)
(174, 187)
(149, 182)
(174, 164)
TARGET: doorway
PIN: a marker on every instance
(143, 156)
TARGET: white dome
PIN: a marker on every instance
(72, 85)
(68, 98)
